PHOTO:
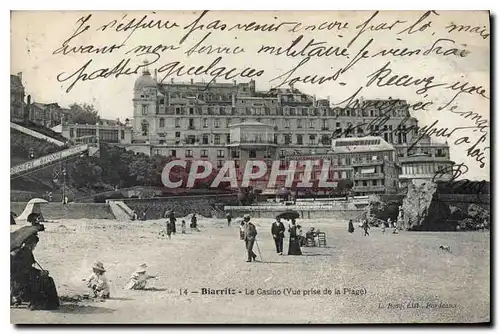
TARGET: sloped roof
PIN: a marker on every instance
(15, 81)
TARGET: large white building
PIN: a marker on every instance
(188, 120)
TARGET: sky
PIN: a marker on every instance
(36, 35)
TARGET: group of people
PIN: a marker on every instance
(365, 225)
(98, 283)
(171, 223)
(248, 233)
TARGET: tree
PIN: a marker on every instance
(83, 113)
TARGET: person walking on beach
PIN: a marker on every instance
(350, 228)
(366, 227)
(172, 221)
(250, 234)
(194, 221)
(183, 226)
(293, 245)
(229, 218)
(278, 232)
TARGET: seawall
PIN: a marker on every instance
(69, 211)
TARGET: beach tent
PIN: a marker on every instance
(33, 206)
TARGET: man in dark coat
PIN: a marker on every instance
(250, 234)
(229, 218)
(278, 232)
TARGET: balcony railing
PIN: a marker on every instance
(367, 163)
(369, 176)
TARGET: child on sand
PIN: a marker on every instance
(139, 278)
(183, 227)
(98, 282)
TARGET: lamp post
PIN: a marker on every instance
(64, 185)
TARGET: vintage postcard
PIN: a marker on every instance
(230, 167)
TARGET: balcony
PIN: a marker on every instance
(367, 163)
(191, 127)
(249, 143)
(422, 158)
(368, 189)
(369, 176)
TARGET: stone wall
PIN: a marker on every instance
(311, 213)
(55, 211)
(205, 205)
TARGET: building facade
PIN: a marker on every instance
(17, 93)
(234, 121)
(369, 161)
(106, 131)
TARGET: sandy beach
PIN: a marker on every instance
(383, 278)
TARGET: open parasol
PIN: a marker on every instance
(290, 214)
(18, 237)
(37, 200)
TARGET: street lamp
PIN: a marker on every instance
(64, 186)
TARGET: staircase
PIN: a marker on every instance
(36, 134)
(47, 160)
(120, 210)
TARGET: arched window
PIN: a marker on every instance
(145, 127)
(162, 122)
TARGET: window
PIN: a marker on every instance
(228, 138)
(325, 140)
(325, 124)
(299, 140)
(177, 110)
(217, 139)
(204, 153)
(177, 123)
(374, 182)
(189, 153)
(220, 153)
(205, 123)
(72, 132)
(191, 111)
(228, 122)
(220, 163)
(177, 135)
(191, 123)
(288, 139)
(311, 123)
(312, 139)
(252, 154)
(145, 128)
(282, 153)
(217, 123)
(365, 183)
(173, 153)
(162, 122)
(299, 124)
(236, 163)
(338, 125)
(287, 123)
(144, 109)
(235, 154)
(122, 134)
(205, 139)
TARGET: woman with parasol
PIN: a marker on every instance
(29, 284)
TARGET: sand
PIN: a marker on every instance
(380, 278)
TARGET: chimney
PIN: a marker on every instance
(156, 75)
(234, 82)
(172, 80)
(192, 81)
(291, 87)
(20, 75)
